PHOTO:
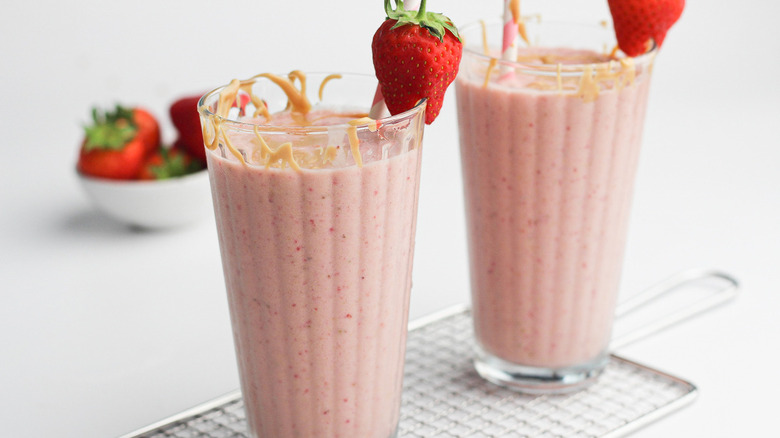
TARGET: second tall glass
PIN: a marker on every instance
(549, 147)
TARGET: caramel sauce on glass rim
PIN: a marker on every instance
(582, 72)
(300, 118)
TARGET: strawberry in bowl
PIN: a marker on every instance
(131, 177)
(169, 163)
(117, 143)
(186, 120)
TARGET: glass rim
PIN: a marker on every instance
(418, 108)
(642, 59)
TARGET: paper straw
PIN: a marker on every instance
(511, 18)
(378, 108)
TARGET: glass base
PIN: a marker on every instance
(392, 435)
(538, 380)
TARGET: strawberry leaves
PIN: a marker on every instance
(110, 130)
(437, 24)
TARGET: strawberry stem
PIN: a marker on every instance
(420, 10)
(437, 24)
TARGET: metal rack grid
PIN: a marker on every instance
(445, 398)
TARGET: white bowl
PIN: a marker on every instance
(165, 203)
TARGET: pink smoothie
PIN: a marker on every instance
(548, 173)
(318, 268)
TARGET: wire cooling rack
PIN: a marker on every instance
(444, 397)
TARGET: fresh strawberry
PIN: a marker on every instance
(117, 142)
(168, 163)
(148, 129)
(185, 118)
(416, 55)
(639, 21)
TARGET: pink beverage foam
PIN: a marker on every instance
(548, 187)
(318, 271)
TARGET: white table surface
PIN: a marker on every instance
(104, 329)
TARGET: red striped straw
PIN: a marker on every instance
(511, 19)
(378, 108)
(509, 46)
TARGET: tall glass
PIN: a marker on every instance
(549, 148)
(316, 228)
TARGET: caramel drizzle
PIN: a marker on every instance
(630, 69)
(299, 105)
(514, 6)
(319, 159)
(328, 154)
(233, 150)
(210, 143)
(485, 48)
(489, 71)
(325, 81)
(226, 99)
(296, 98)
(354, 142)
(353, 115)
(589, 83)
(282, 154)
(261, 108)
(588, 88)
(286, 155)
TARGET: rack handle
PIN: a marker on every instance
(721, 295)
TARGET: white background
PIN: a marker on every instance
(104, 329)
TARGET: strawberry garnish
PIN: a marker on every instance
(416, 56)
(117, 142)
(637, 22)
